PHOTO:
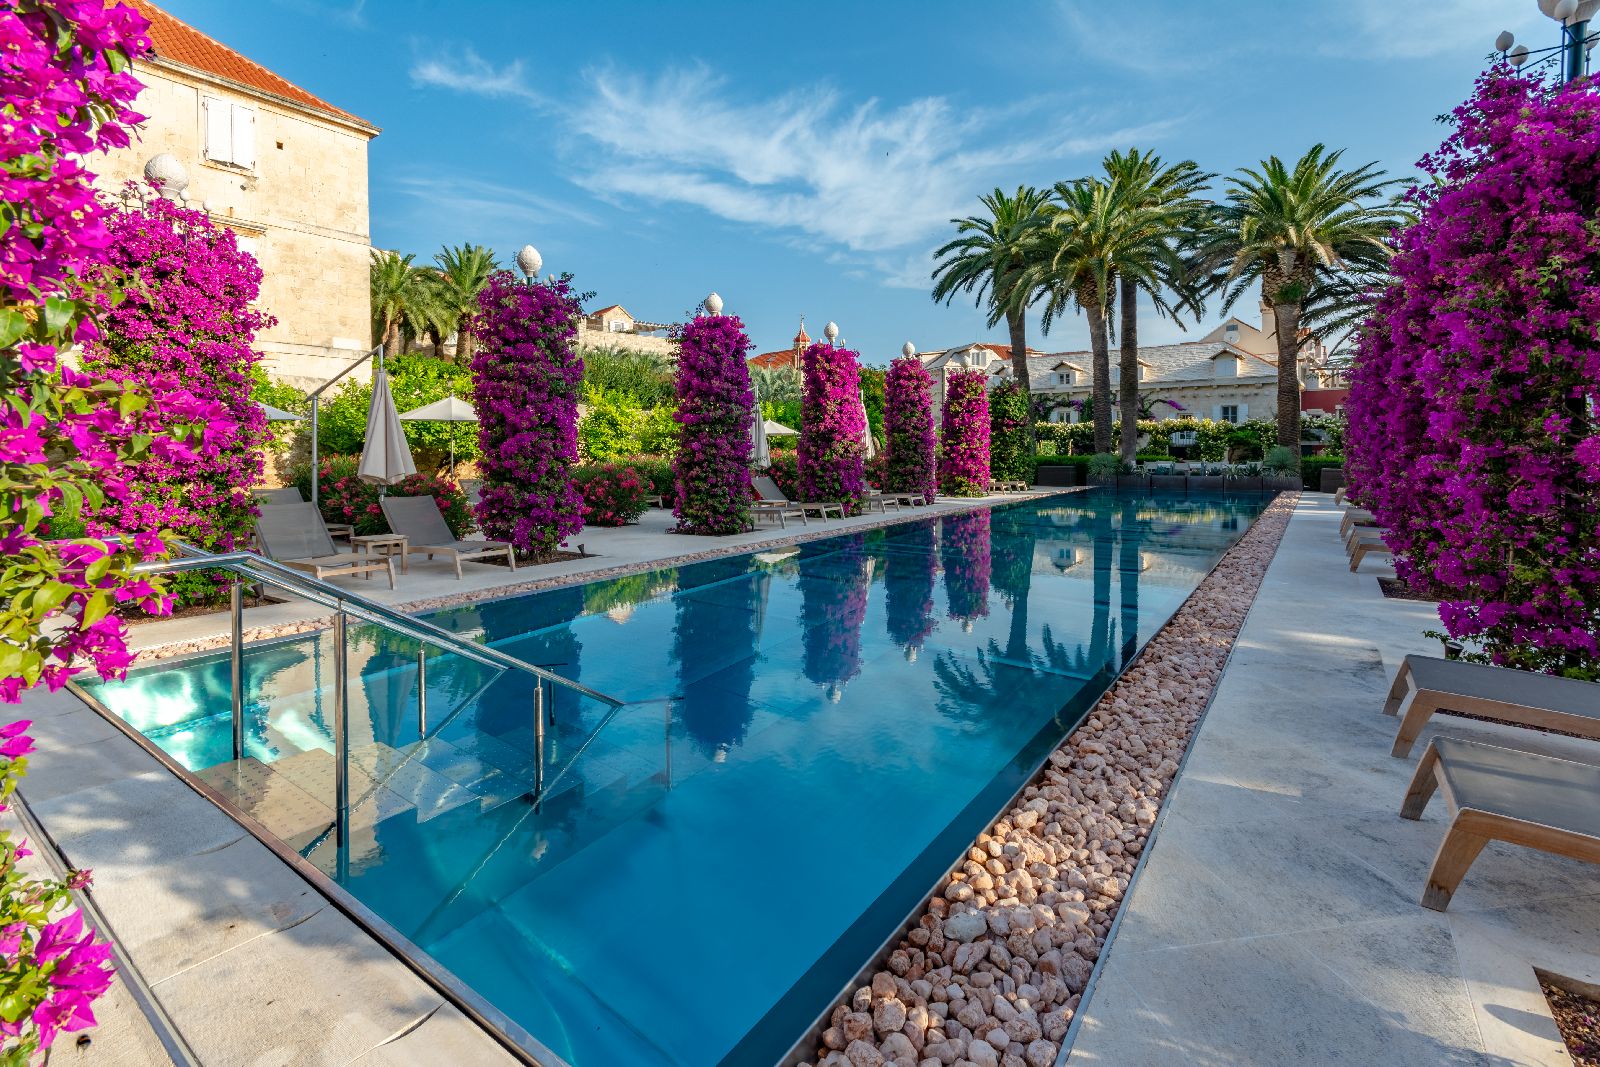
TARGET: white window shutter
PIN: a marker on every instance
(1244, 412)
(1216, 412)
(219, 129)
(244, 136)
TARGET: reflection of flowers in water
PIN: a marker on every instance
(832, 610)
(908, 578)
(964, 551)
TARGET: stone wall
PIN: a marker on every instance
(302, 211)
(588, 337)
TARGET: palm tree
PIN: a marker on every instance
(463, 272)
(1294, 230)
(399, 292)
(990, 258)
(1159, 204)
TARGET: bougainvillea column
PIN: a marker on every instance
(185, 327)
(66, 439)
(715, 406)
(525, 381)
(908, 428)
(964, 435)
(832, 453)
(1473, 434)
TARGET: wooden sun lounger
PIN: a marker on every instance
(767, 509)
(768, 493)
(1361, 547)
(1355, 517)
(915, 500)
(294, 535)
(1426, 684)
(1502, 794)
(290, 495)
(1339, 494)
(419, 519)
(882, 500)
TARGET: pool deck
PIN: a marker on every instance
(1276, 918)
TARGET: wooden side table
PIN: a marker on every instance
(385, 544)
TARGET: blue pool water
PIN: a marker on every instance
(811, 737)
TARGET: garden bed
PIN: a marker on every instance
(1395, 589)
(993, 968)
(1578, 1019)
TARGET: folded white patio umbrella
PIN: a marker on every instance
(385, 458)
(760, 454)
(450, 409)
(866, 429)
(278, 414)
(776, 429)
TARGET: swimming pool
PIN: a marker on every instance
(811, 736)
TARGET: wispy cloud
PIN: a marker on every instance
(1385, 30)
(464, 70)
(480, 206)
(351, 13)
(864, 178)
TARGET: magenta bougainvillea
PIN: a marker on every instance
(525, 380)
(715, 407)
(832, 451)
(614, 494)
(67, 439)
(912, 463)
(833, 607)
(1473, 433)
(964, 435)
(908, 579)
(184, 326)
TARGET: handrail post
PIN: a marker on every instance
(316, 472)
(236, 666)
(538, 737)
(341, 735)
(422, 694)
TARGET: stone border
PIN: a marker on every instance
(992, 970)
(502, 592)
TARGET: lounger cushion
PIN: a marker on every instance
(1523, 786)
(1518, 689)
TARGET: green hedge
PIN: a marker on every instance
(1311, 468)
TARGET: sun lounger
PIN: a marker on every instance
(418, 518)
(295, 536)
(290, 495)
(1502, 794)
(1361, 547)
(881, 500)
(767, 509)
(1426, 684)
(767, 492)
(1355, 517)
(915, 500)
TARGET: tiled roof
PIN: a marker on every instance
(610, 307)
(178, 42)
(783, 357)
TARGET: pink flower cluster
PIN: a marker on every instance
(715, 408)
(184, 328)
(525, 377)
(614, 494)
(964, 435)
(1473, 431)
(908, 424)
(832, 451)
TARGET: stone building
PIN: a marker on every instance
(283, 169)
(613, 327)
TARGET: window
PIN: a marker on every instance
(1141, 372)
(1227, 366)
(230, 132)
(1230, 413)
(1066, 377)
(617, 325)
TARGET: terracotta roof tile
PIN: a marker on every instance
(783, 357)
(181, 43)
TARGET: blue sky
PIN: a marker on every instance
(806, 158)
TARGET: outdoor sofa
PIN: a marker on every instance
(419, 520)
(1426, 684)
(295, 536)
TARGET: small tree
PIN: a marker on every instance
(525, 379)
(908, 425)
(964, 435)
(715, 406)
(1009, 442)
(832, 451)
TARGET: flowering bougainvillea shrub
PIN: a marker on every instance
(614, 494)
(909, 450)
(964, 550)
(832, 453)
(785, 472)
(525, 381)
(1009, 445)
(832, 618)
(964, 435)
(182, 324)
(343, 497)
(53, 971)
(1472, 416)
(67, 439)
(715, 407)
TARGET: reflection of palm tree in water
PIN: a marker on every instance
(909, 570)
(832, 608)
(1129, 567)
(1014, 535)
(967, 688)
(726, 635)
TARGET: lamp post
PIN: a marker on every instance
(1571, 55)
(528, 262)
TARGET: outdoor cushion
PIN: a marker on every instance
(1426, 684)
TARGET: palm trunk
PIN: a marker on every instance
(1102, 376)
(391, 337)
(1288, 321)
(463, 345)
(1017, 324)
(1128, 395)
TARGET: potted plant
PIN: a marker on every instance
(1208, 479)
(1103, 469)
(1282, 468)
(1244, 477)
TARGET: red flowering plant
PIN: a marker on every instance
(526, 377)
(832, 453)
(908, 421)
(342, 497)
(964, 435)
(53, 971)
(614, 494)
(1473, 434)
(716, 406)
(785, 474)
(68, 440)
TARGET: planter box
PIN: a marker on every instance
(1057, 474)
(1134, 482)
(1331, 478)
(1279, 481)
(1180, 482)
(1240, 485)
(1205, 483)
(1105, 482)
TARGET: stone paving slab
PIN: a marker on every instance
(1276, 920)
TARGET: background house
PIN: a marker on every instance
(613, 327)
(282, 168)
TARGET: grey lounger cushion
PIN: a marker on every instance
(294, 535)
(419, 519)
(1426, 684)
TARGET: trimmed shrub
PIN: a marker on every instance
(1311, 468)
(715, 409)
(613, 493)
(1009, 447)
(832, 452)
(910, 448)
(964, 436)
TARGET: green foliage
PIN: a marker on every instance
(1311, 468)
(414, 381)
(614, 494)
(872, 395)
(1009, 445)
(643, 378)
(1212, 439)
(1281, 460)
(629, 590)
(1105, 465)
(616, 427)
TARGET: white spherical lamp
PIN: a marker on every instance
(529, 261)
(1504, 41)
(831, 332)
(1518, 55)
(908, 349)
(170, 178)
(713, 304)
